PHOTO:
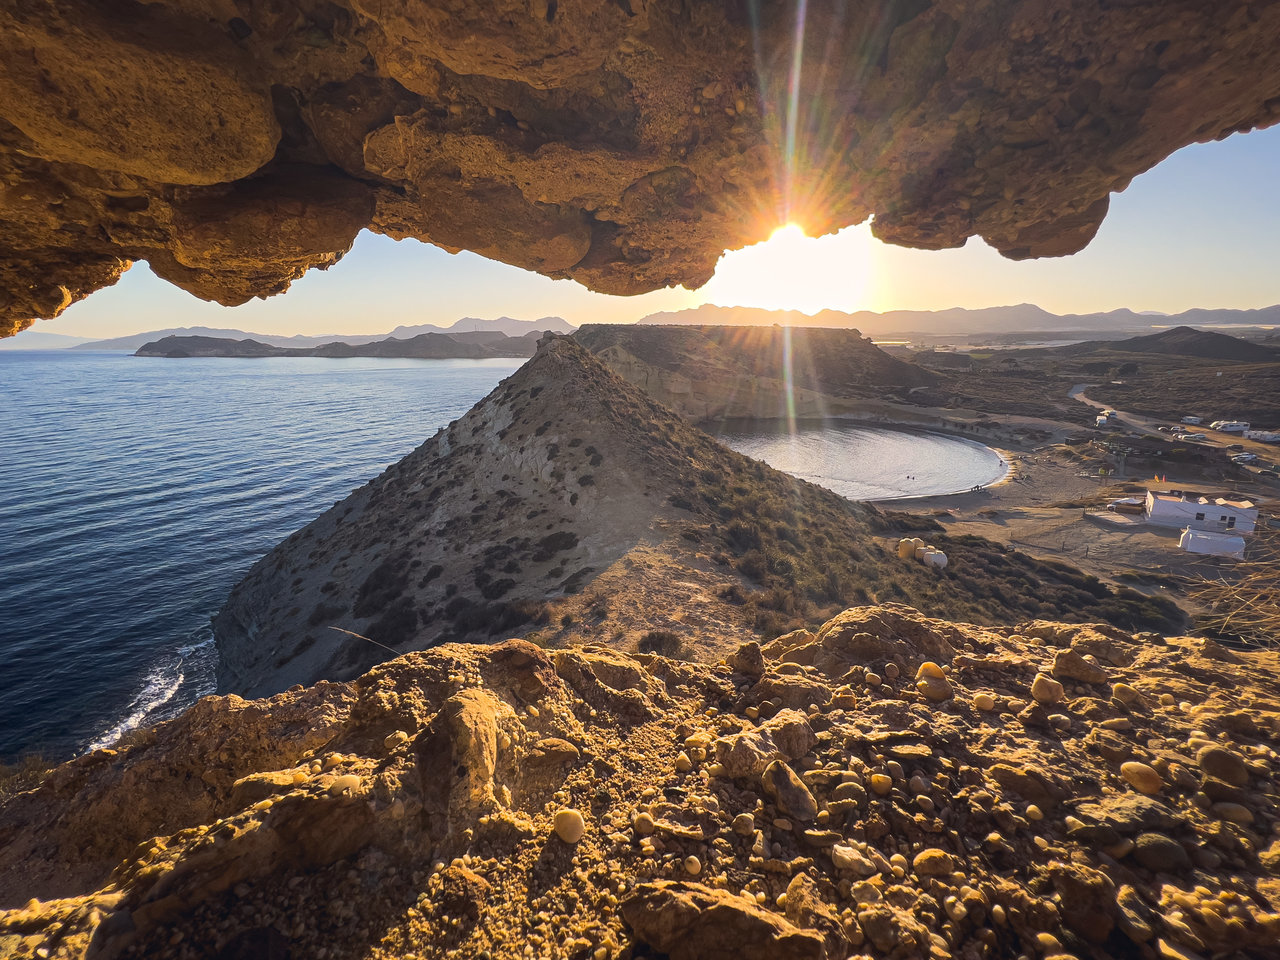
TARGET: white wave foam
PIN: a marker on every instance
(196, 660)
(158, 689)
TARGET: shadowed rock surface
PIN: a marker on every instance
(235, 145)
(712, 373)
(418, 810)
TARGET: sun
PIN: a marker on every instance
(787, 233)
(792, 271)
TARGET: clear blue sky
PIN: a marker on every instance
(1202, 229)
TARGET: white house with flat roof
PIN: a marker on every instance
(1198, 512)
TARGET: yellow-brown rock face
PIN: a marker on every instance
(797, 801)
(624, 143)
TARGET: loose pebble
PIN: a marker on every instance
(569, 825)
(1046, 690)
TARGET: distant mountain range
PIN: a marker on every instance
(993, 322)
(39, 340)
(425, 346)
(1023, 317)
(505, 326)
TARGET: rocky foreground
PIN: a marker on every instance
(892, 786)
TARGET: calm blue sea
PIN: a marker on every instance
(135, 492)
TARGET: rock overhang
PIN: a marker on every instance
(621, 143)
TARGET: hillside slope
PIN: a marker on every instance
(567, 480)
(716, 372)
(1044, 791)
(1182, 342)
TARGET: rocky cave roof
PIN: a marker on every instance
(235, 144)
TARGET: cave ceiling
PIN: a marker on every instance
(236, 144)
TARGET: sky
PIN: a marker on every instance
(1201, 229)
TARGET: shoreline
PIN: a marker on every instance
(777, 426)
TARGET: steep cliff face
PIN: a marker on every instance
(235, 145)
(890, 786)
(716, 372)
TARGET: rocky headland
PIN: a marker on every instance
(571, 505)
(888, 786)
(424, 346)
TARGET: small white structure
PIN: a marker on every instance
(1213, 544)
(1265, 436)
(1229, 426)
(1193, 421)
(1102, 421)
(1201, 513)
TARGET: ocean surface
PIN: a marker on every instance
(871, 463)
(135, 492)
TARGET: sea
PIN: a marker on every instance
(864, 462)
(135, 492)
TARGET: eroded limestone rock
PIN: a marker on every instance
(625, 145)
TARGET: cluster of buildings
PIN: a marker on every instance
(1214, 525)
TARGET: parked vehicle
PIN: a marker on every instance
(1245, 458)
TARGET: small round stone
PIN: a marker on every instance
(933, 862)
(692, 866)
(984, 702)
(744, 824)
(1125, 693)
(1142, 777)
(891, 671)
(881, 784)
(930, 669)
(1047, 690)
(934, 688)
(643, 824)
(570, 826)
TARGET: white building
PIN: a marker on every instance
(1193, 421)
(1189, 510)
(1213, 544)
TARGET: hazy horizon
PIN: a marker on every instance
(1197, 231)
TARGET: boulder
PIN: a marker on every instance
(689, 921)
